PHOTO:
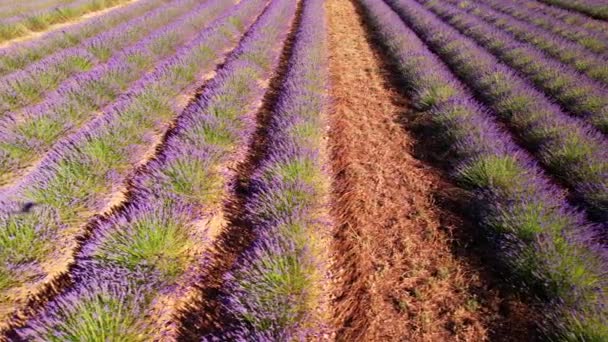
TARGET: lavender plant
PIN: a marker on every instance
(547, 245)
(569, 149)
(10, 9)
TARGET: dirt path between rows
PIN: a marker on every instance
(397, 276)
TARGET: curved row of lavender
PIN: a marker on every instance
(20, 25)
(572, 151)
(572, 54)
(30, 85)
(567, 16)
(276, 292)
(594, 8)
(82, 177)
(575, 92)
(546, 245)
(19, 55)
(577, 28)
(10, 8)
(57, 6)
(25, 137)
(150, 248)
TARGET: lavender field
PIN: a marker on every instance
(303, 170)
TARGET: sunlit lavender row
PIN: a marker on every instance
(562, 49)
(30, 85)
(576, 28)
(18, 55)
(574, 152)
(39, 20)
(160, 234)
(28, 136)
(277, 289)
(578, 94)
(83, 176)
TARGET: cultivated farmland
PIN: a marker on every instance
(303, 170)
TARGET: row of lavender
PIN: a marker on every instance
(594, 8)
(577, 28)
(568, 148)
(29, 85)
(577, 93)
(26, 136)
(18, 55)
(9, 8)
(150, 250)
(276, 290)
(570, 53)
(83, 175)
(20, 25)
(546, 244)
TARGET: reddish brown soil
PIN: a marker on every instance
(397, 276)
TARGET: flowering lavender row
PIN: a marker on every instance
(546, 244)
(20, 54)
(10, 9)
(156, 236)
(575, 92)
(569, 149)
(18, 26)
(44, 9)
(78, 180)
(594, 8)
(569, 17)
(29, 85)
(560, 48)
(275, 292)
(568, 25)
(24, 137)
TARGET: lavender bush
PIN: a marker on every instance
(567, 52)
(594, 8)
